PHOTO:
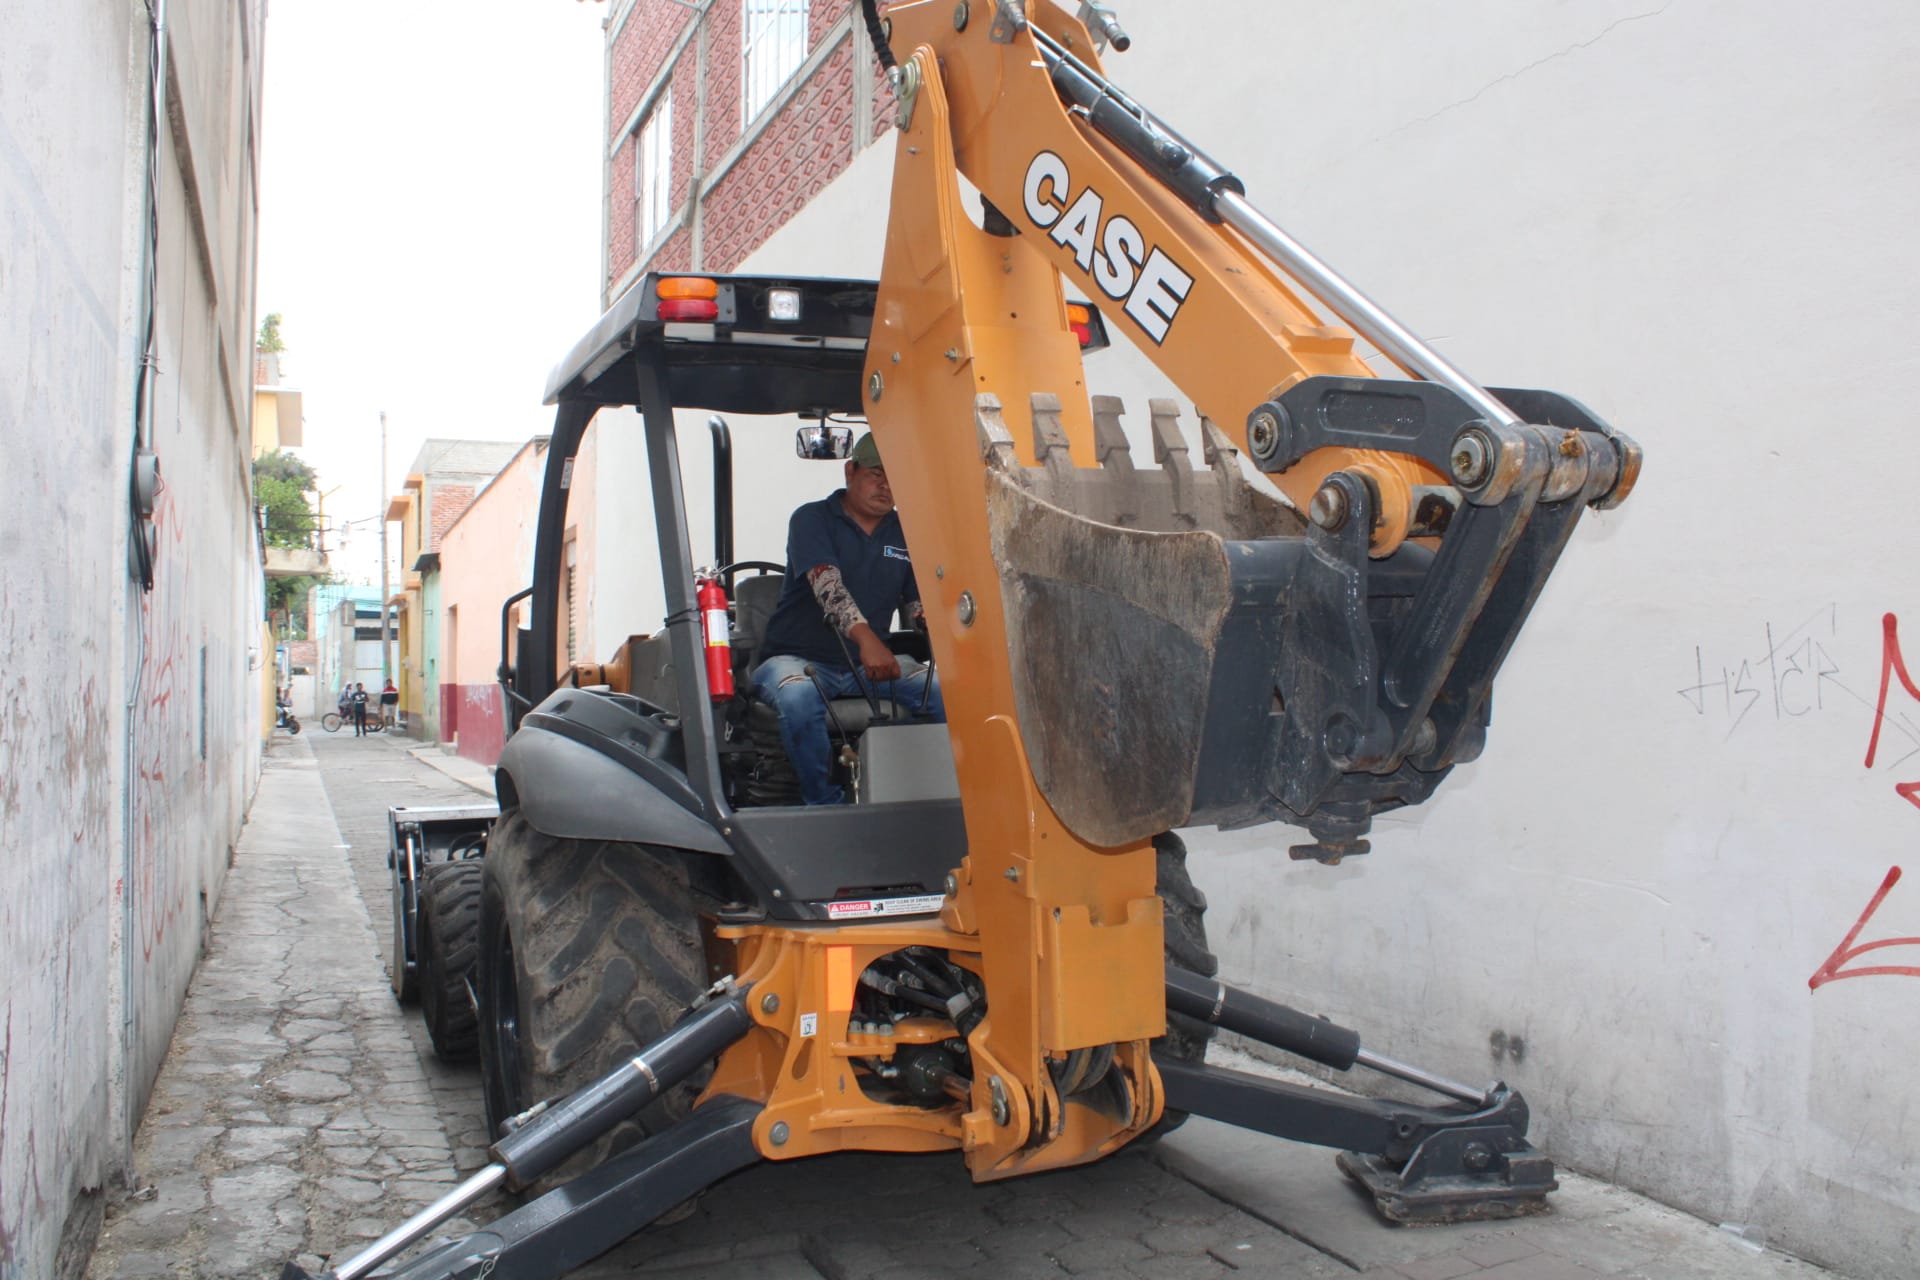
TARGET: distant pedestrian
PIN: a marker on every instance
(389, 702)
(359, 701)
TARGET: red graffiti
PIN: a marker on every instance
(1832, 971)
(1892, 664)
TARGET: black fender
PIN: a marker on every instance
(568, 789)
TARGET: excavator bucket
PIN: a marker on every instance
(1187, 649)
(1119, 583)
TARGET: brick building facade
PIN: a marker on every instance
(723, 121)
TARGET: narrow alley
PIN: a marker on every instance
(301, 1113)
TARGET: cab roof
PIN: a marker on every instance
(743, 359)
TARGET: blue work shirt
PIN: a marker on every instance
(874, 567)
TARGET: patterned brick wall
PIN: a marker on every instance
(790, 161)
(621, 209)
(803, 150)
(882, 103)
(686, 102)
(449, 500)
(724, 69)
(641, 49)
(676, 254)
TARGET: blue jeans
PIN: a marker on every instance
(781, 682)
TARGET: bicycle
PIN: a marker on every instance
(333, 720)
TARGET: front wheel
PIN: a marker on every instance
(331, 722)
(589, 950)
(448, 948)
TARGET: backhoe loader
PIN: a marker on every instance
(995, 949)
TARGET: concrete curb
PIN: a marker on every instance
(470, 773)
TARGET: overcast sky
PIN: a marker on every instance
(430, 224)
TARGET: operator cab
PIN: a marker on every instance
(883, 749)
(638, 746)
(760, 346)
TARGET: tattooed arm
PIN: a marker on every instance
(844, 616)
(830, 589)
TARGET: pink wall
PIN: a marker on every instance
(486, 556)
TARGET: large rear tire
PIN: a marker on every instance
(589, 950)
(448, 947)
(1185, 915)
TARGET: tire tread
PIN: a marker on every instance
(449, 947)
(607, 943)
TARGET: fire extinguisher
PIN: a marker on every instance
(713, 623)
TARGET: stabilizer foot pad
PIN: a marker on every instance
(1515, 1186)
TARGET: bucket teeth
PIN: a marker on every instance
(1170, 452)
(1110, 445)
(1050, 443)
(1170, 497)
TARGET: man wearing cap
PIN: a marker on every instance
(847, 572)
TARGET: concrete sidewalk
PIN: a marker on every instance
(469, 773)
(298, 1116)
(292, 1115)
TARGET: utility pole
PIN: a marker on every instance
(386, 657)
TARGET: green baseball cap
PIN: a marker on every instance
(866, 453)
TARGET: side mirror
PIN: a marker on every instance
(827, 444)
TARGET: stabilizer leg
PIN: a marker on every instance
(1463, 1161)
(571, 1225)
(691, 1154)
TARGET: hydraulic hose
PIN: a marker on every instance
(877, 33)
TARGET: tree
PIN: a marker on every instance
(281, 483)
(269, 340)
(281, 465)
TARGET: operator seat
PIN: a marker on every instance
(913, 765)
(775, 783)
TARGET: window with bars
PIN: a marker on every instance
(653, 173)
(776, 45)
(573, 601)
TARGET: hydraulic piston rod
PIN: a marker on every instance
(1296, 1032)
(1219, 196)
(547, 1136)
(1368, 318)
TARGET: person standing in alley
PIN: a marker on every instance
(359, 701)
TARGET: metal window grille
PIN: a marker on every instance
(653, 173)
(573, 605)
(775, 45)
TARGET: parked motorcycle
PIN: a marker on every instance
(287, 720)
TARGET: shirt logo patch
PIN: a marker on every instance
(897, 553)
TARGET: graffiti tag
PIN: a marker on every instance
(1893, 665)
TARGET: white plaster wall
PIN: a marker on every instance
(129, 735)
(1697, 218)
(766, 475)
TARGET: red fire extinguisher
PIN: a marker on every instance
(713, 623)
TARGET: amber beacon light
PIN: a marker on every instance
(688, 298)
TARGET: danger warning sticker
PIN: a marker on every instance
(858, 908)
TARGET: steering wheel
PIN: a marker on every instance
(763, 566)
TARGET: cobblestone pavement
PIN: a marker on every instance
(301, 1113)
